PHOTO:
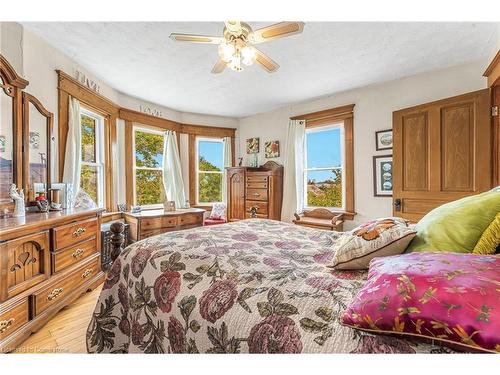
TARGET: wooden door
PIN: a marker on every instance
(442, 152)
(235, 194)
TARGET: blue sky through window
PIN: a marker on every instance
(323, 150)
(212, 152)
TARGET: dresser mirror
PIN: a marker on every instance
(37, 140)
(6, 140)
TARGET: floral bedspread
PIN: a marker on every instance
(253, 286)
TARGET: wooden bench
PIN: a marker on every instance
(320, 218)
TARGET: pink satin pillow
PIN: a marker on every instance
(451, 298)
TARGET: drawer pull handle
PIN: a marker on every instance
(256, 194)
(6, 324)
(79, 232)
(87, 273)
(54, 294)
(78, 253)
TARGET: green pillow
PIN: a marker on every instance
(456, 226)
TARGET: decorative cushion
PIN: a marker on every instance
(490, 239)
(458, 225)
(218, 211)
(381, 237)
(214, 221)
(83, 200)
(448, 297)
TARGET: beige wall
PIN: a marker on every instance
(372, 112)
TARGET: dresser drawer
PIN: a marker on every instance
(190, 219)
(70, 234)
(158, 222)
(257, 182)
(13, 318)
(58, 290)
(155, 232)
(258, 194)
(64, 258)
(261, 206)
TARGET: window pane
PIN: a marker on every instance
(324, 188)
(89, 180)
(88, 139)
(209, 187)
(149, 187)
(148, 149)
(323, 148)
(210, 156)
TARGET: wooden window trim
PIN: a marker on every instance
(343, 114)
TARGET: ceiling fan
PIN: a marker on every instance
(236, 46)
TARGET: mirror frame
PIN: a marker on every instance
(13, 84)
(27, 99)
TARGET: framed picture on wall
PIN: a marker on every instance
(253, 146)
(382, 176)
(383, 140)
(272, 149)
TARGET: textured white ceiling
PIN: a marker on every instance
(140, 60)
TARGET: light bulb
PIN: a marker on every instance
(248, 55)
(226, 51)
(235, 63)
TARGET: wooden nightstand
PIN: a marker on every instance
(320, 218)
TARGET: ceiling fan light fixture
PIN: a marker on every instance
(248, 55)
(226, 51)
(235, 63)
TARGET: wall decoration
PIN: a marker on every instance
(252, 145)
(382, 176)
(383, 140)
(150, 110)
(272, 149)
(34, 140)
(84, 80)
(3, 143)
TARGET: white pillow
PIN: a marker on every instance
(382, 237)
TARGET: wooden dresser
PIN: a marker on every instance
(47, 260)
(149, 223)
(259, 188)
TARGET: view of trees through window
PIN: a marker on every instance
(148, 167)
(323, 172)
(89, 175)
(210, 171)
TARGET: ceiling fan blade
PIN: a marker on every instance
(266, 62)
(278, 30)
(219, 67)
(197, 38)
(234, 27)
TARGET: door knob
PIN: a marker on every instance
(397, 204)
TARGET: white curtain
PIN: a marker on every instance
(172, 172)
(228, 162)
(293, 186)
(73, 154)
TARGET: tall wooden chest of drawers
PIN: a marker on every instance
(260, 189)
(47, 260)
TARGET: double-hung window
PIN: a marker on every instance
(148, 167)
(209, 170)
(92, 163)
(324, 167)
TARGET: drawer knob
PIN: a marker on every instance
(79, 232)
(78, 253)
(54, 294)
(6, 324)
(256, 194)
(87, 273)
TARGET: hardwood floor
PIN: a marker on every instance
(65, 333)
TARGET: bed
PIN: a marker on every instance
(252, 286)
